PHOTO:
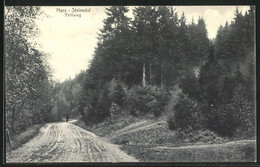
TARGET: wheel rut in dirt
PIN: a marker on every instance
(65, 142)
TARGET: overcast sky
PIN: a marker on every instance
(70, 41)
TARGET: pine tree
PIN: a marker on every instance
(199, 43)
(116, 34)
(168, 46)
(112, 60)
(145, 28)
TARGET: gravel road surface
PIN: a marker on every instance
(65, 142)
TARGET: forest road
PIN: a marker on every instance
(65, 142)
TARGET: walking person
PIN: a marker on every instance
(67, 118)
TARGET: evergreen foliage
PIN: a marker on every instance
(142, 100)
(224, 90)
(137, 61)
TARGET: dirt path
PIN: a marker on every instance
(139, 126)
(209, 146)
(65, 142)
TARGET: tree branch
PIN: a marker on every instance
(19, 108)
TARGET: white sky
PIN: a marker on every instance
(71, 41)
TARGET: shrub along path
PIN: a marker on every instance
(152, 141)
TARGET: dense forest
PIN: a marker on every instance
(137, 63)
(28, 86)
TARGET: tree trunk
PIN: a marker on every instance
(70, 98)
(13, 120)
(19, 109)
(100, 83)
(59, 107)
(8, 137)
(144, 78)
(119, 74)
(162, 77)
(22, 117)
(162, 81)
(150, 72)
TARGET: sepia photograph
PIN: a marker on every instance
(130, 84)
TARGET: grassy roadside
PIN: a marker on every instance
(152, 141)
(22, 138)
(236, 152)
(105, 128)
